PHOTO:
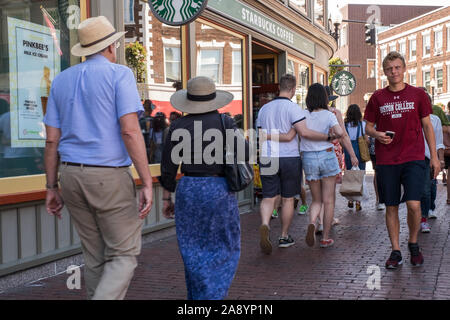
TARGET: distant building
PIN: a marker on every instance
(353, 49)
(425, 43)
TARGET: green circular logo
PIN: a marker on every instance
(177, 12)
(343, 83)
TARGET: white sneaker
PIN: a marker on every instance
(381, 206)
(432, 214)
(425, 227)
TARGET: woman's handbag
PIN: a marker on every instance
(363, 147)
(239, 174)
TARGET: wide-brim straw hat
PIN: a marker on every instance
(200, 96)
(95, 34)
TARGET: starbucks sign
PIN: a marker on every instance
(177, 12)
(343, 83)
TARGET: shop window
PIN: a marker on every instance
(302, 85)
(219, 56)
(35, 47)
(163, 66)
(291, 67)
(172, 59)
(300, 5)
(321, 78)
(319, 12)
(210, 64)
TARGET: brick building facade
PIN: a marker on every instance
(425, 44)
(353, 49)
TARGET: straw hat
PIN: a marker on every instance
(201, 96)
(95, 34)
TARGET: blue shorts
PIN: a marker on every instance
(390, 178)
(320, 164)
(285, 181)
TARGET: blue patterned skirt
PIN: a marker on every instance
(209, 236)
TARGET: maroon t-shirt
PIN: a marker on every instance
(400, 112)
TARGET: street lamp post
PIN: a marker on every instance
(336, 20)
(432, 85)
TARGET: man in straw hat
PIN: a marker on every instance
(92, 122)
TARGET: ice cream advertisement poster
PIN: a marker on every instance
(34, 63)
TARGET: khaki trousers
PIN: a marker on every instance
(103, 207)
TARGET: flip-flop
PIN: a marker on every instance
(311, 235)
(265, 244)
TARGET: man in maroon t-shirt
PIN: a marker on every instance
(400, 111)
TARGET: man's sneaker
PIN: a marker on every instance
(326, 243)
(416, 255)
(265, 244)
(303, 209)
(395, 260)
(311, 235)
(319, 229)
(285, 242)
(380, 206)
(432, 214)
(425, 227)
(274, 214)
(350, 204)
(358, 206)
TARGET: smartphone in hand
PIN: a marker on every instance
(390, 134)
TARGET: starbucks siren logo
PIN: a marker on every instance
(177, 12)
(343, 83)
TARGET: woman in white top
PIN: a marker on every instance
(319, 161)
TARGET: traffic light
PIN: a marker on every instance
(369, 33)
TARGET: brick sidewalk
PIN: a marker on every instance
(299, 272)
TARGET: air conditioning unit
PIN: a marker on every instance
(438, 90)
(437, 51)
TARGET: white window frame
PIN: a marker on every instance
(215, 48)
(165, 61)
(448, 40)
(436, 78)
(438, 50)
(233, 65)
(411, 57)
(128, 4)
(424, 71)
(426, 35)
(374, 68)
(415, 79)
(401, 44)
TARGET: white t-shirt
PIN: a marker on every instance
(353, 131)
(321, 121)
(276, 117)
(437, 127)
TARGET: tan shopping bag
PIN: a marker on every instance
(352, 183)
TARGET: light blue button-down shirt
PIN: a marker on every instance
(86, 102)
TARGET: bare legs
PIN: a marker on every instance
(393, 224)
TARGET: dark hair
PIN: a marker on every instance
(287, 82)
(353, 115)
(317, 97)
(426, 91)
(174, 115)
(159, 122)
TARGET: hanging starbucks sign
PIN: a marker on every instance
(343, 83)
(177, 12)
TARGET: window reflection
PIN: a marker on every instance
(219, 56)
(31, 55)
(319, 12)
(299, 5)
(163, 79)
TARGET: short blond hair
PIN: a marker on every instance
(391, 56)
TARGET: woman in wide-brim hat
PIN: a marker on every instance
(206, 211)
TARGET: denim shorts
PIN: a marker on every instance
(320, 164)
